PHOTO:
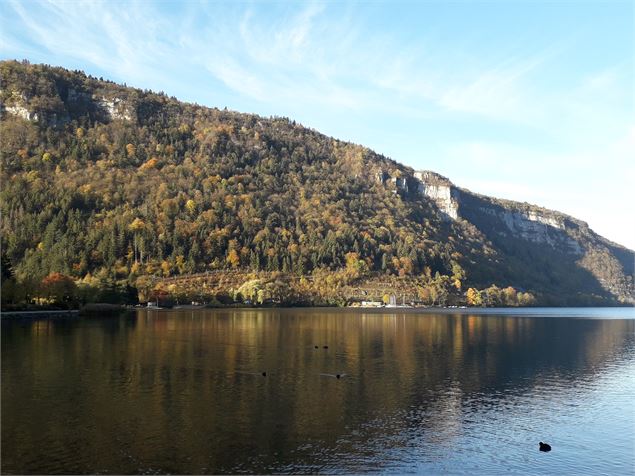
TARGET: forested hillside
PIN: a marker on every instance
(111, 189)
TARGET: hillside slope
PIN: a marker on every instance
(110, 184)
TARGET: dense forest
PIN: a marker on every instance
(109, 190)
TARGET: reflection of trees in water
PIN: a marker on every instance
(143, 378)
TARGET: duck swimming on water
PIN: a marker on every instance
(544, 446)
(337, 376)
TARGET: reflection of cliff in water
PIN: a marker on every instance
(142, 377)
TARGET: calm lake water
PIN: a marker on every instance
(434, 392)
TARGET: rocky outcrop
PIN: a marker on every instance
(116, 108)
(400, 183)
(440, 190)
(17, 105)
(424, 184)
(535, 226)
(22, 112)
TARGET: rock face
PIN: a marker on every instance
(512, 219)
(116, 108)
(17, 106)
(22, 112)
(425, 184)
(400, 184)
(518, 229)
(440, 190)
(536, 227)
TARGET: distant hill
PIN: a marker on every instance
(116, 186)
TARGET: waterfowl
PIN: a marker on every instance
(544, 446)
(337, 376)
(325, 347)
(264, 374)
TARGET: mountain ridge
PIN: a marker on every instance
(265, 194)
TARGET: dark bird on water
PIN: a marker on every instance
(264, 374)
(325, 347)
(337, 376)
(544, 446)
(316, 346)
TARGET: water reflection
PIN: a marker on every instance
(183, 392)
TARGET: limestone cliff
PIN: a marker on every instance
(506, 224)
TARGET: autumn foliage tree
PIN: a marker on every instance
(233, 258)
(473, 297)
(59, 288)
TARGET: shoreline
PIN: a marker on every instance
(105, 309)
(39, 314)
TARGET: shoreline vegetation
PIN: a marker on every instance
(58, 294)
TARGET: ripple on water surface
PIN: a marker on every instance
(418, 393)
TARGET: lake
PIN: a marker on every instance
(457, 391)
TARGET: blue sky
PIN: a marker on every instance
(525, 100)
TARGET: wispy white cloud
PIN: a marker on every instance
(303, 56)
(238, 78)
(123, 41)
